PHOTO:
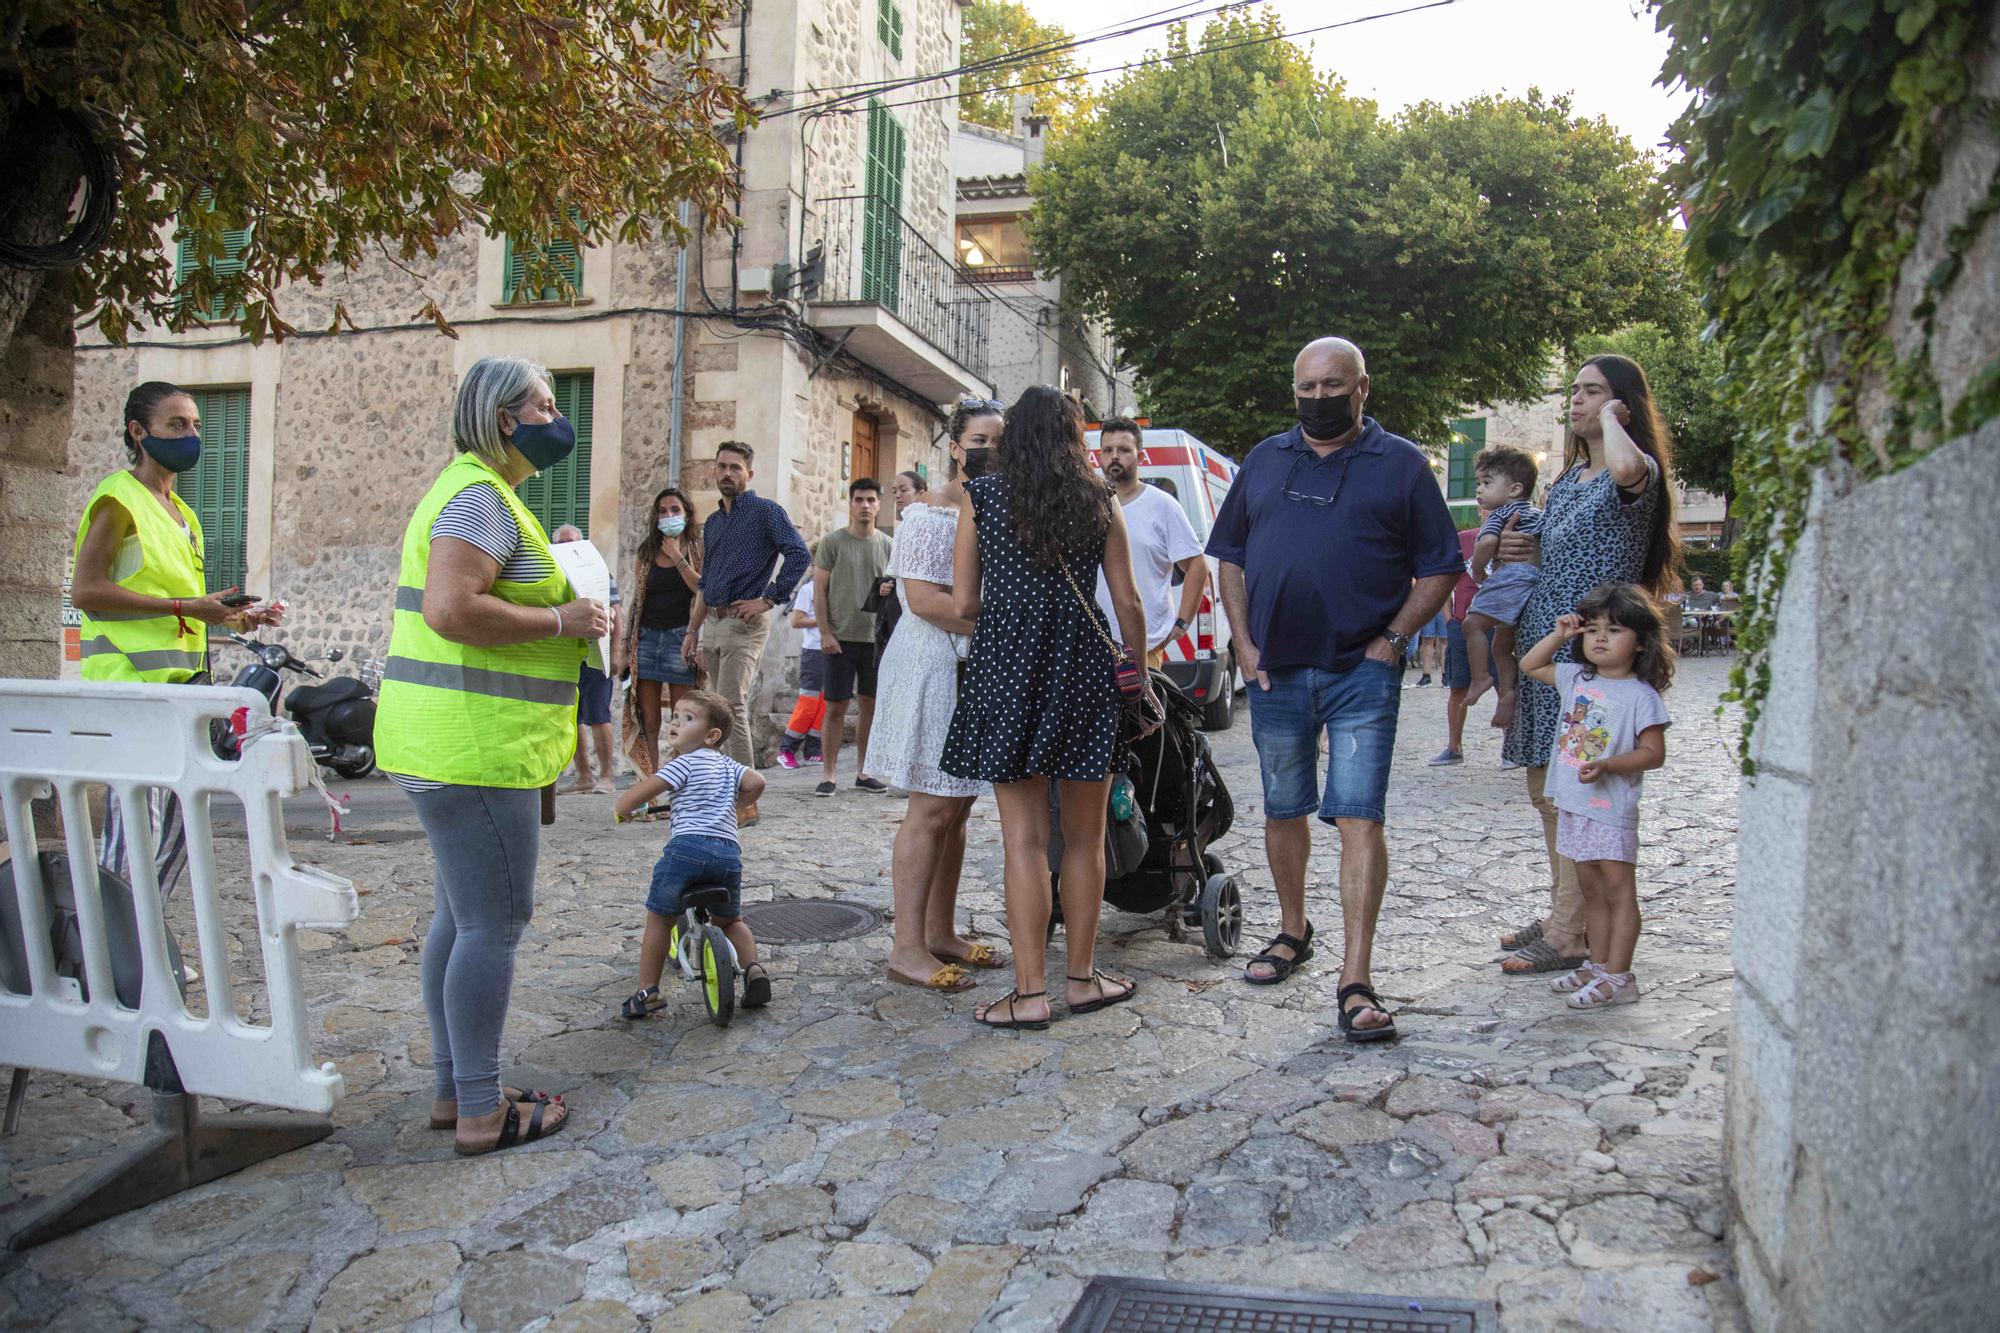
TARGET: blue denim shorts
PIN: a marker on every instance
(660, 656)
(693, 861)
(1357, 710)
(1505, 594)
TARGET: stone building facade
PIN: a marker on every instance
(1031, 339)
(830, 361)
(1863, 1173)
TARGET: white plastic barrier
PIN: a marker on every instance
(127, 737)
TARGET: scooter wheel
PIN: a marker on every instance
(358, 768)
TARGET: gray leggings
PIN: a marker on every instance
(485, 841)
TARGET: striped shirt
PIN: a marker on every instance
(478, 515)
(703, 784)
(739, 546)
(1529, 526)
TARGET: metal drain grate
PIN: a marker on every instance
(1137, 1305)
(808, 920)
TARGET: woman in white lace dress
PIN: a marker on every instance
(916, 693)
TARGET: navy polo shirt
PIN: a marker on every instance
(1325, 579)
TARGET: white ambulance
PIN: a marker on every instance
(1199, 661)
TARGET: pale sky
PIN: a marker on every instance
(1604, 53)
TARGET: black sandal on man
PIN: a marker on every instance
(1104, 998)
(511, 1133)
(1010, 999)
(1356, 1034)
(1281, 966)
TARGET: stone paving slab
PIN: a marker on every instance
(861, 1156)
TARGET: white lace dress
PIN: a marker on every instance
(917, 684)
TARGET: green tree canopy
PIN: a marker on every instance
(1225, 208)
(1002, 29)
(334, 131)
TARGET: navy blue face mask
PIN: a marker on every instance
(175, 455)
(544, 443)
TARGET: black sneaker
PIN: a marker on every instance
(1424, 681)
(825, 789)
(871, 784)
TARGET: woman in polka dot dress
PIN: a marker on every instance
(1040, 700)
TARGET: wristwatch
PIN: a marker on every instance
(1400, 642)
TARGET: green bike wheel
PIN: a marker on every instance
(718, 976)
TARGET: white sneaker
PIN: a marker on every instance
(1605, 990)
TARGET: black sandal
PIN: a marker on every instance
(1010, 999)
(1346, 1015)
(756, 990)
(1281, 967)
(1104, 999)
(643, 1003)
(510, 1131)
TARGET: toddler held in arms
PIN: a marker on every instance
(1506, 482)
(1613, 729)
(706, 788)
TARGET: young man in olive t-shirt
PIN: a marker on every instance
(847, 565)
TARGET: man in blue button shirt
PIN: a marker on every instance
(741, 541)
(1335, 547)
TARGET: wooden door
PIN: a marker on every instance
(861, 454)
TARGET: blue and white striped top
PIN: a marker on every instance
(703, 784)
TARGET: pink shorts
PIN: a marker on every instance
(1582, 838)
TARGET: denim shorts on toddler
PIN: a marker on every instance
(1505, 593)
(692, 862)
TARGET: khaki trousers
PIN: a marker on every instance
(1566, 920)
(730, 650)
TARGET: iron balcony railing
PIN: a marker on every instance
(872, 254)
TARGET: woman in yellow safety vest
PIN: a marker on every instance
(139, 585)
(477, 714)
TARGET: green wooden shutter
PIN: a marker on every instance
(234, 242)
(561, 254)
(562, 494)
(889, 26)
(1468, 437)
(882, 223)
(217, 488)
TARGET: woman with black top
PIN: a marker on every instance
(1040, 700)
(663, 587)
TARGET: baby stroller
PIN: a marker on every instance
(1173, 805)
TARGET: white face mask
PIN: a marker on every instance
(672, 526)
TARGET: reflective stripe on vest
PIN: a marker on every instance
(455, 713)
(147, 645)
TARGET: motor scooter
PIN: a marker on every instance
(337, 718)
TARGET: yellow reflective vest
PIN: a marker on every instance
(479, 717)
(160, 559)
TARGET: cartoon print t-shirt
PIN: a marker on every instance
(1600, 718)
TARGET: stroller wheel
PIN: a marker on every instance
(1221, 916)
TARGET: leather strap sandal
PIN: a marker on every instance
(511, 1094)
(1105, 999)
(949, 979)
(1347, 1029)
(642, 1004)
(978, 955)
(511, 1133)
(757, 989)
(1010, 999)
(1281, 966)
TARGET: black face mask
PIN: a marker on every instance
(1327, 418)
(978, 462)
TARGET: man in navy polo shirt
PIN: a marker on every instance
(1335, 547)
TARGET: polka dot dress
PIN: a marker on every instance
(1040, 699)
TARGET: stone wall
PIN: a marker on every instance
(1863, 1163)
(37, 523)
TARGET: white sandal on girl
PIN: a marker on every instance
(1571, 982)
(1604, 990)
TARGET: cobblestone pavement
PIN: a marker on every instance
(861, 1156)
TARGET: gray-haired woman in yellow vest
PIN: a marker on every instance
(477, 714)
(140, 585)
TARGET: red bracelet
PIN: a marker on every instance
(180, 621)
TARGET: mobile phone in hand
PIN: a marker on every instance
(236, 599)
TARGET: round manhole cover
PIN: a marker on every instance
(802, 920)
